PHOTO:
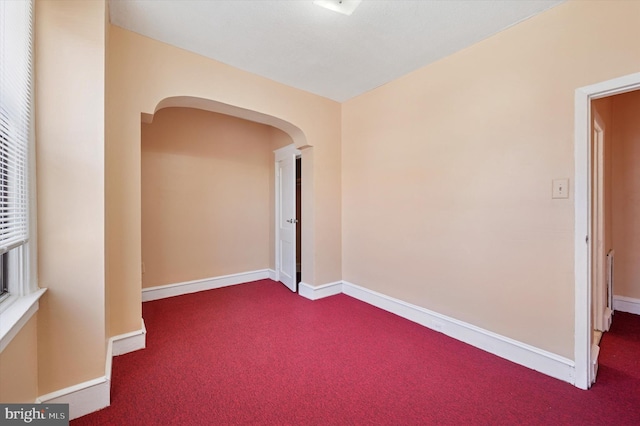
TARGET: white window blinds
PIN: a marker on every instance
(15, 121)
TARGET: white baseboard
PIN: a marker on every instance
(315, 293)
(95, 394)
(170, 290)
(529, 356)
(272, 274)
(123, 344)
(626, 304)
(83, 398)
(129, 342)
(608, 317)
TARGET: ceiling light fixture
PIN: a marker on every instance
(346, 7)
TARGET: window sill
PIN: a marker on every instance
(16, 315)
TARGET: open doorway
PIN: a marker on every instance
(288, 191)
(601, 209)
(615, 208)
(299, 223)
(597, 209)
(206, 200)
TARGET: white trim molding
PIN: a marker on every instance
(280, 154)
(93, 395)
(129, 342)
(123, 344)
(286, 151)
(321, 291)
(582, 218)
(521, 353)
(83, 398)
(170, 290)
(14, 317)
(626, 304)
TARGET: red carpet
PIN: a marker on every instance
(258, 354)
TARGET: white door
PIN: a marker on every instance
(601, 316)
(286, 217)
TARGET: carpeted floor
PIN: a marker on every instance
(258, 354)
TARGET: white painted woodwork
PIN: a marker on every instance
(286, 215)
(188, 287)
(95, 394)
(626, 304)
(583, 218)
(599, 281)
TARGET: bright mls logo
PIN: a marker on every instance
(35, 414)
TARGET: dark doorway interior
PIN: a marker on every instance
(299, 217)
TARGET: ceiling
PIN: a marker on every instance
(302, 45)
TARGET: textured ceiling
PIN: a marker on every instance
(302, 45)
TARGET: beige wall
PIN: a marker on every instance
(207, 183)
(447, 173)
(435, 188)
(625, 110)
(19, 366)
(142, 73)
(70, 75)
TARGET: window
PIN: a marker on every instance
(18, 296)
(4, 282)
(15, 134)
(15, 122)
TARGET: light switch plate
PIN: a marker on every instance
(560, 188)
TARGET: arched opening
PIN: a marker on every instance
(207, 185)
(299, 139)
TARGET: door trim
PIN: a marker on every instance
(582, 231)
(280, 154)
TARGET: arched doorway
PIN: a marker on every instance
(198, 236)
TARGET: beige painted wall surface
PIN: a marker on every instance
(626, 193)
(69, 68)
(206, 195)
(19, 366)
(447, 173)
(143, 72)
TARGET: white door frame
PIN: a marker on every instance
(280, 154)
(584, 374)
